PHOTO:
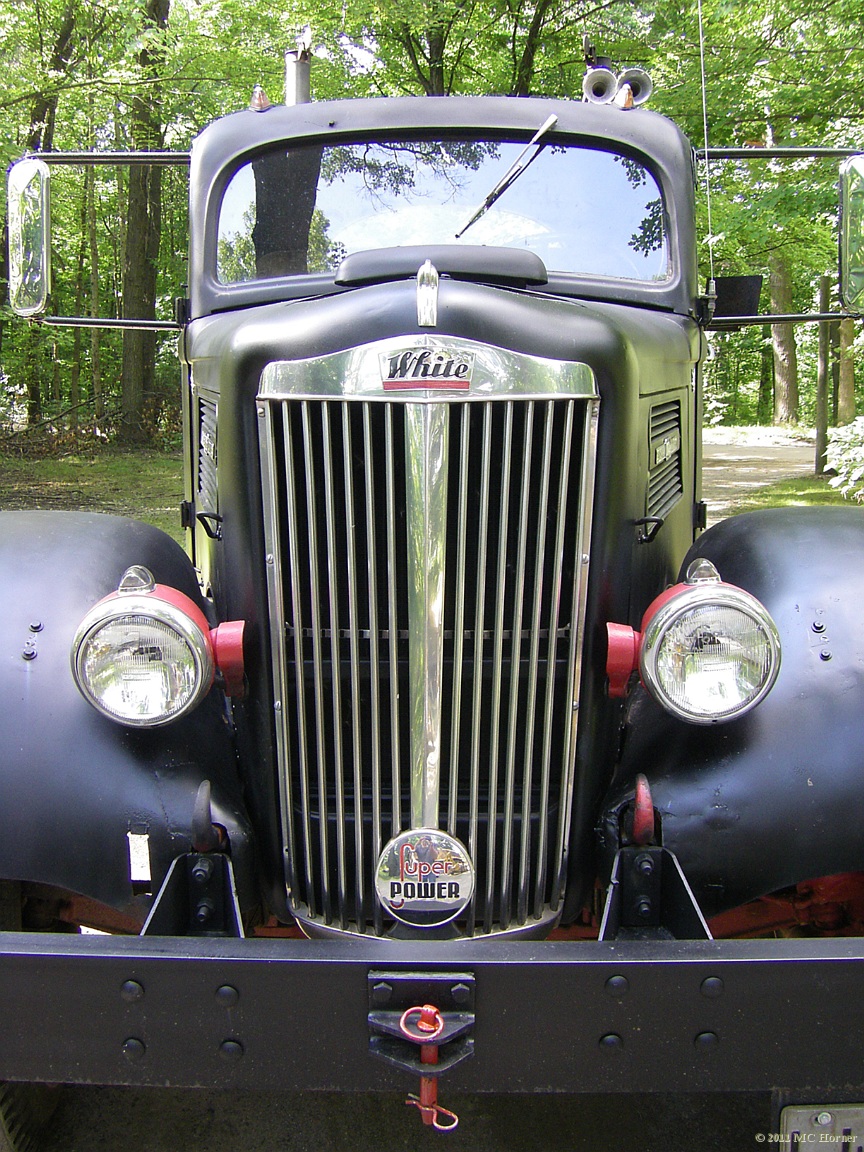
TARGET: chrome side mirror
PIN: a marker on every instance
(852, 234)
(29, 237)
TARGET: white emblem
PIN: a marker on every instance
(424, 877)
(427, 368)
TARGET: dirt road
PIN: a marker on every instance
(737, 464)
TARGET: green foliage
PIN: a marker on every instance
(845, 456)
(785, 71)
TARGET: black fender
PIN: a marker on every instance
(775, 797)
(72, 782)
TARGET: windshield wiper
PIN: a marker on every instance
(513, 172)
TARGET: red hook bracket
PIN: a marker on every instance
(428, 1027)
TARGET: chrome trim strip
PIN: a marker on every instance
(266, 419)
(426, 521)
(577, 616)
(294, 553)
(359, 373)
(548, 709)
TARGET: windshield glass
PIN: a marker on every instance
(305, 209)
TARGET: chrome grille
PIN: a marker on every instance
(336, 488)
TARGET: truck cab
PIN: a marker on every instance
(452, 711)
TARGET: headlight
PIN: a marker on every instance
(710, 651)
(143, 655)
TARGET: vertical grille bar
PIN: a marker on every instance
(374, 655)
(479, 612)
(318, 669)
(515, 677)
(459, 632)
(354, 643)
(533, 666)
(392, 624)
(335, 679)
(574, 657)
(497, 666)
(296, 583)
(555, 599)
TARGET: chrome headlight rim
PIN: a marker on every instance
(678, 605)
(153, 607)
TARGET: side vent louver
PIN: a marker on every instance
(207, 489)
(664, 461)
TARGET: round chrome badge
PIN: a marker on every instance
(424, 877)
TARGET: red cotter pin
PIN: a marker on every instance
(429, 1026)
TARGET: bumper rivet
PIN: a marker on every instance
(712, 987)
(231, 1050)
(611, 1042)
(617, 986)
(706, 1040)
(134, 1049)
(130, 991)
(227, 996)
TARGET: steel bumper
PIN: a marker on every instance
(555, 1016)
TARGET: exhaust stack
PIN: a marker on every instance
(297, 69)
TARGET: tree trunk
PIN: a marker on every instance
(822, 376)
(846, 388)
(524, 76)
(95, 348)
(783, 339)
(143, 226)
(40, 138)
(765, 406)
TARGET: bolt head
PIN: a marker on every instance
(711, 987)
(134, 1049)
(611, 1042)
(382, 993)
(617, 986)
(460, 993)
(823, 1119)
(231, 1050)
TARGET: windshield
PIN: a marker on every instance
(304, 209)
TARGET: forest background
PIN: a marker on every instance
(149, 74)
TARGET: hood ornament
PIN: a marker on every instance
(427, 295)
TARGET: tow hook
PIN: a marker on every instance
(429, 1027)
(420, 1022)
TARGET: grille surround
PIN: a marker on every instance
(350, 736)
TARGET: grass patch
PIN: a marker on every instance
(800, 492)
(146, 485)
